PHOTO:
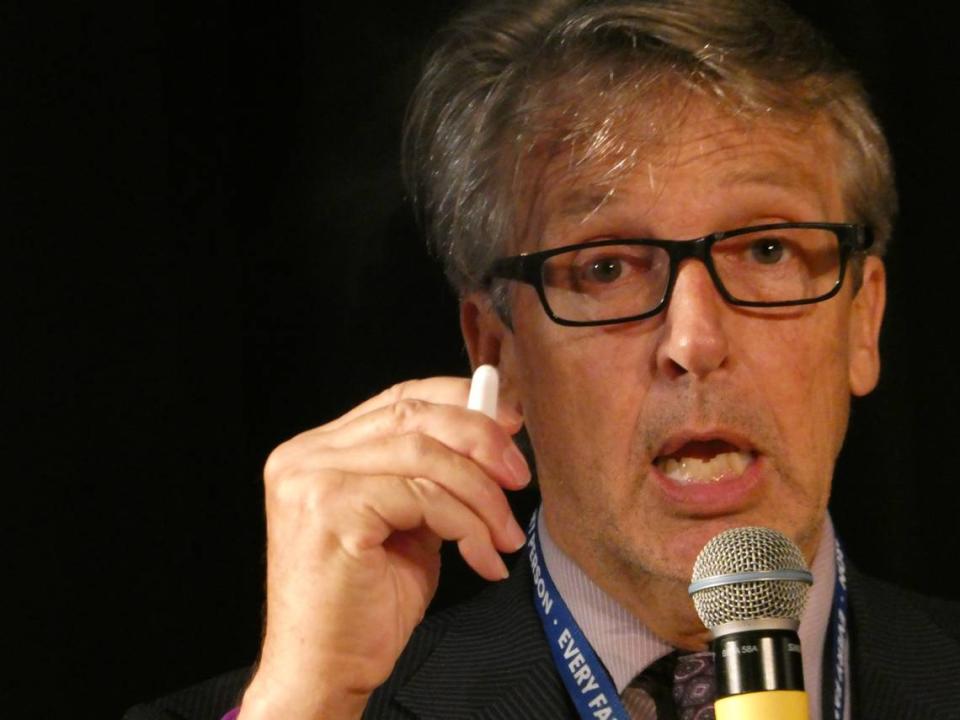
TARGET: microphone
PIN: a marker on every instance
(749, 586)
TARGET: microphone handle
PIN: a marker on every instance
(765, 705)
(759, 675)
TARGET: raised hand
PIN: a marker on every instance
(356, 512)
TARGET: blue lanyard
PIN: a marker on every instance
(838, 636)
(585, 677)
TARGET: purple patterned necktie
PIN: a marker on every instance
(675, 687)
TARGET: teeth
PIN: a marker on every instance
(693, 470)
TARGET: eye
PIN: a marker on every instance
(767, 251)
(604, 270)
(592, 270)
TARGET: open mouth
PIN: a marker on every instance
(704, 461)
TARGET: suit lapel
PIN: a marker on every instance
(492, 664)
(904, 665)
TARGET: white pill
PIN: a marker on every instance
(483, 391)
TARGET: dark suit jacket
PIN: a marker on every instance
(488, 659)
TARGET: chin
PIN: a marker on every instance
(673, 552)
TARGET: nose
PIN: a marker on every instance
(695, 340)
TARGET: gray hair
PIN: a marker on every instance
(511, 75)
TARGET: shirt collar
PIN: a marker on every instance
(626, 646)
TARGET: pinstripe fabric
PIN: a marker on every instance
(491, 662)
(906, 653)
(488, 660)
(206, 701)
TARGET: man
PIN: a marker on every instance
(665, 223)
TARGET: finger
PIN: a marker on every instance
(417, 455)
(389, 503)
(439, 390)
(463, 431)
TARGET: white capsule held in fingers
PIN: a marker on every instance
(483, 391)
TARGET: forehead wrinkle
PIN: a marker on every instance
(607, 198)
(786, 177)
(769, 148)
(740, 137)
(587, 198)
(582, 203)
(744, 151)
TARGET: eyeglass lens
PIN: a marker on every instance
(617, 281)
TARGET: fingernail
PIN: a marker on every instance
(515, 534)
(504, 573)
(517, 464)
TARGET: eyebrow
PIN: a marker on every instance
(789, 177)
(585, 201)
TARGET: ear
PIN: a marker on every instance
(482, 329)
(866, 316)
(489, 341)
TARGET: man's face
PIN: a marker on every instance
(759, 399)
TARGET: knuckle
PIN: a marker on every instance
(277, 462)
(405, 412)
(405, 390)
(288, 457)
(418, 446)
(304, 493)
(396, 393)
(427, 490)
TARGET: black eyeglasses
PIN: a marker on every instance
(615, 281)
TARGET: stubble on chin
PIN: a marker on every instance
(639, 537)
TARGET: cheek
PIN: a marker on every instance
(802, 367)
(583, 390)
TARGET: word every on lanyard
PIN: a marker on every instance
(584, 676)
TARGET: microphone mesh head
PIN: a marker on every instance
(748, 550)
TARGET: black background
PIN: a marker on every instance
(208, 249)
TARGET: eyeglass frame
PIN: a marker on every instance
(528, 267)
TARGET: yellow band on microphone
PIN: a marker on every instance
(767, 705)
